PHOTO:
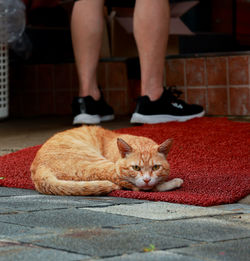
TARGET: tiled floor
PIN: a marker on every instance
(16, 134)
(45, 227)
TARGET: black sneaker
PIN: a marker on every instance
(167, 108)
(86, 110)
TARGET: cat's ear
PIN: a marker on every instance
(165, 147)
(123, 147)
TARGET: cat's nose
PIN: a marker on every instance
(146, 180)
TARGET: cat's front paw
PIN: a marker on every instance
(116, 187)
(178, 182)
(172, 184)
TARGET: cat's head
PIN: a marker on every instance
(143, 165)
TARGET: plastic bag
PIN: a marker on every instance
(12, 20)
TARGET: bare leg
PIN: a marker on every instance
(151, 27)
(87, 29)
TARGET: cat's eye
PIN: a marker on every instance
(136, 167)
(155, 167)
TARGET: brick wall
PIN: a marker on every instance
(220, 84)
(48, 89)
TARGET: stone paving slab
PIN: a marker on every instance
(68, 218)
(106, 228)
(195, 229)
(242, 220)
(6, 192)
(243, 208)
(18, 232)
(160, 211)
(8, 230)
(10, 251)
(108, 242)
(114, 200)
(43, 202)
(126, 239)
(29, 200)
(233, 250)
(155, 256)
(38, 202)
(121, 239)
(7, 211)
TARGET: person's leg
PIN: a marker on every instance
(86, 29)
(156, 104)
(151, 28)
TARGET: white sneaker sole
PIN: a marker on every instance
(107, 117)
(152, 119)
(91, 119)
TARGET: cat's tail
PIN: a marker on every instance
(47, 183)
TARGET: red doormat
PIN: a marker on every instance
(211, 155)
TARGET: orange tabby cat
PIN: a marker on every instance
(94, 161)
